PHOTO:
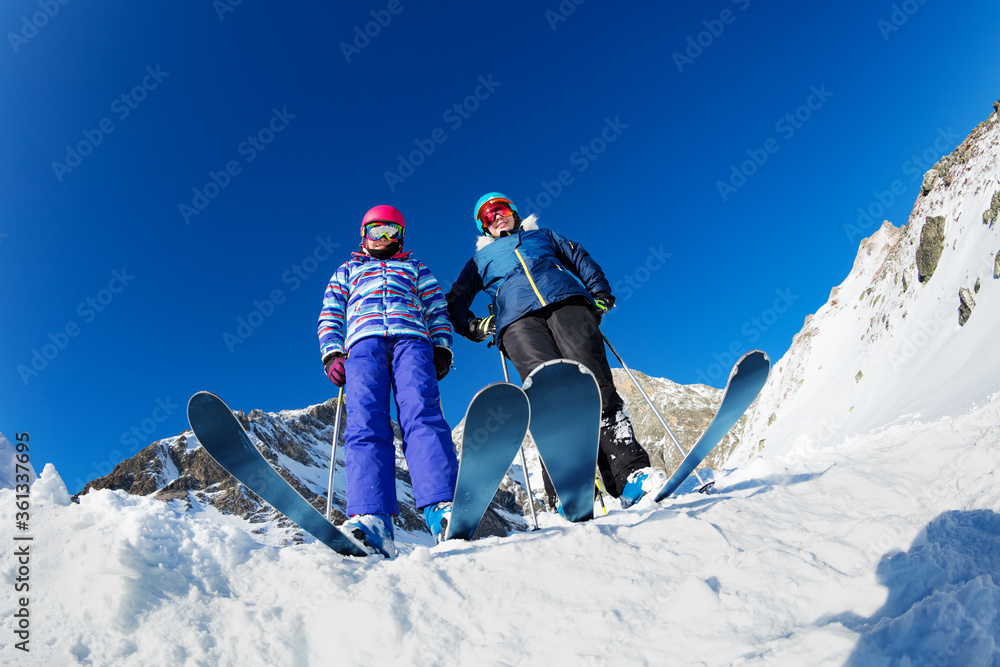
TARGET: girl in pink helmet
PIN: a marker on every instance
(384, 330)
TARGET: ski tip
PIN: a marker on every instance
(580, 367)
(564, 363)
(762, 359)
(204, 392)
(560, 362)
(508, 387)
(203, 400)
(761, 353)
(201, 397)
(753, 360)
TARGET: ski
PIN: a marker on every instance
(745, 382)
(495, 424)
(222, 436)
(565, 425)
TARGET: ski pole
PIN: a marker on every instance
(650, 402)
(333, 456)
(524, 462)
(600, 493)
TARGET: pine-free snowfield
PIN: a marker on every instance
(882, 546)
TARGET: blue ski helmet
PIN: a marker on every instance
(486, 199)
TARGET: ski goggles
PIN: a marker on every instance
(383, 230)
(491, 210)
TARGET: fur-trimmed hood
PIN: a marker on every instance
(529, 223)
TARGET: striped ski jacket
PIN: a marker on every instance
(371, 297)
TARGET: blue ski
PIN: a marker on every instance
(222, 436)
(745, 382)
(495, 424)
(565, 425)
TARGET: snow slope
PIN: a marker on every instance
(860, 527)
(852, 554)
(886, 347)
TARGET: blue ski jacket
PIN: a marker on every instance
(366, 297)
(522, 272)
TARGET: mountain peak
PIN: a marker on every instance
(905, 333)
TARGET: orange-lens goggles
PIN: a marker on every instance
(491, 210)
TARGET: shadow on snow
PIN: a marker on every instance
(944, 598)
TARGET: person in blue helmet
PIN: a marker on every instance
(547, 296)
(384, 327)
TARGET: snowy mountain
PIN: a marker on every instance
(908, 334)
(856, 523)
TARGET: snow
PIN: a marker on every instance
(49, 489)
(9, 463)
(884, 547)
(858, 524)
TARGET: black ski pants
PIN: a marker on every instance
(569, 330)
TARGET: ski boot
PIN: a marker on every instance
(437, 517)
(374, 532)
(640, 483)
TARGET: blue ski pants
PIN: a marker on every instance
(404, 366)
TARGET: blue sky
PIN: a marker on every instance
(179, 180)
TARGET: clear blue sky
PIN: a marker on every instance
(627, 125)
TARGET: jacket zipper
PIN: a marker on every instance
(528, 274)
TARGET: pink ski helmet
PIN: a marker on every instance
(382, 213)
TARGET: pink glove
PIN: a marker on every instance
(335, 370)
(442, 361)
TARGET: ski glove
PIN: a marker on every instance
(442, 361)
(604, 302)
(482, 329)
(335, 370)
